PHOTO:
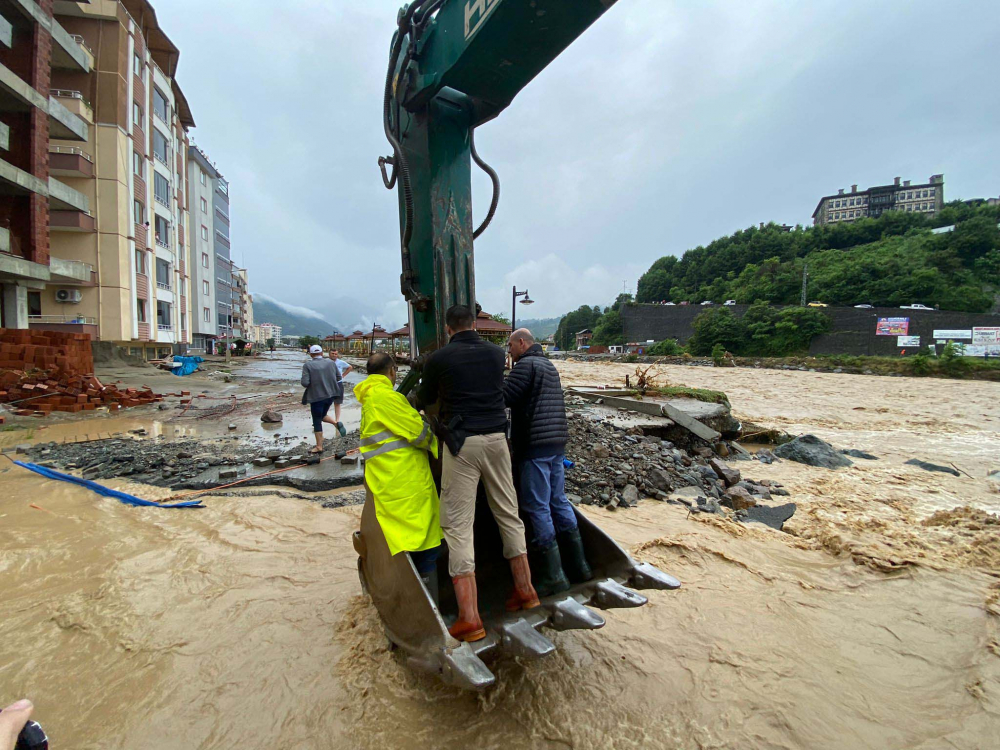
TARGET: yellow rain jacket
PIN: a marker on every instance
(394, 442)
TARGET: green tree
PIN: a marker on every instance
(582, 318)
(500, 318)
(716, 326)
(269, 343)
(306, 341)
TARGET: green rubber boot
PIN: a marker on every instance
(574, 559)
(547, 572)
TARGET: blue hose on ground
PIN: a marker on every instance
(105, 491)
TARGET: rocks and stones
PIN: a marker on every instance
(226, 473)
(184, 454)
(855, 453)
(600, 451)
(726, 473)
(262, 461)
(660, 479)
(574, 499)
(232, 425)
(707, 505)
(769, 515)
(273, 453)
(282, 463)
(270, 417)
(23, 448)
(926, 466)
(812, 451)
(631, 495)
(162, 407)
(738, 498)
(687, 496)
(765, 457)
(993, 480)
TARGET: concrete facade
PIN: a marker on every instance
(223, 258)
(202, 176)
(927, 198)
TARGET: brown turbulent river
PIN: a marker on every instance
(241, 625)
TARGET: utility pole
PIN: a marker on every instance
(805, 281)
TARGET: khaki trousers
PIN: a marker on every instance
(482, 457)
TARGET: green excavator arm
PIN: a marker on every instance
(455, 64)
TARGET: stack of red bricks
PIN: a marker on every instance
(44, 371)
(38, 395)
(65, 354)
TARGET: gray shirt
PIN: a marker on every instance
(321, 380)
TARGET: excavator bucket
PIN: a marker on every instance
(418, 624)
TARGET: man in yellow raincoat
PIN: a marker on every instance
(395, 441)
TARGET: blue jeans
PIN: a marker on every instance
(543, 499)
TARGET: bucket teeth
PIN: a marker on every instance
(520, 639)
(611, 594)
(646, 576)
(463, 669)
(569, 614)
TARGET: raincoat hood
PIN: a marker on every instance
(364, 389)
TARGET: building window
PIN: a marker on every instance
(161, 108)
(204, 206)
(137, 164)
(138, 212)
(137, 114)
(34, 304)
(162, 273)
(140, 310)
(163, 315)
(203, 179)
(206, 315)
(161, 189)
(137, 65)
(204, 260)
(204, 288)
(161, 149)
(140, 261)
(204, 232)
(162, 231)
(184, 321)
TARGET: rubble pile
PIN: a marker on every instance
(64, 354)
(35, 394)
(614, 467)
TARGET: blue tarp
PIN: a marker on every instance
(188, 365)
(105, 491)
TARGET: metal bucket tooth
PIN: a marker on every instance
(463, 669)
(569, 614)
(520, 639)
(611, 594)
(646, 576)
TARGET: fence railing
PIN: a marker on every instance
(162, 244)
(69, 94)
(79, 319)
(82, 42)
(161, 285)
(70, 150)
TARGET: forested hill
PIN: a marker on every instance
(895, 259)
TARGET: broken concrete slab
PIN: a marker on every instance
(769, 515)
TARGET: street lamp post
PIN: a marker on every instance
(513, 305)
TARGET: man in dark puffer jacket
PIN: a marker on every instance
(534, 394)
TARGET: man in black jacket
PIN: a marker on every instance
(534, 394)
(466, 378)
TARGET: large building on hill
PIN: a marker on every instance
(926, 198)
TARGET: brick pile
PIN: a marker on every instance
(65, 354)
(43, 372)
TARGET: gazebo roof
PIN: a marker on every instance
(485, 323)
(404, 331)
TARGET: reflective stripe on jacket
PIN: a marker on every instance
(395, 441)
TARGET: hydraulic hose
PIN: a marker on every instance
(494, 177)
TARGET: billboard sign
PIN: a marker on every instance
(947, 334)
(892, 327)
(986, 335)
(907, 342)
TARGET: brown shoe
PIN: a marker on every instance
(523, 596)
(469, 626)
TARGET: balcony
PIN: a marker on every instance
(161, 243)
(64, 198)
(164, 327)
(70, 161)
(70, 51)
(165, 287)
(65, 124)
(71, 221)
(6, 33)
(64, 324)
(71, 272)
(165, 202)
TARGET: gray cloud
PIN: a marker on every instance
(666, 125)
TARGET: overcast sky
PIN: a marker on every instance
(666, 125)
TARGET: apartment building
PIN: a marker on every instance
(223, 258)
(269, 331)
(926, 198)
(37, 192)
(202, 177)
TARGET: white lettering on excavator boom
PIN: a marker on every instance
(479, 10)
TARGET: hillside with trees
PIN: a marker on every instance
(893, 260)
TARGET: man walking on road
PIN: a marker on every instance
(343, 368)
(466, 377)
(323, 386)
(539, 432)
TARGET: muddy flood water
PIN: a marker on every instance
(873, 624)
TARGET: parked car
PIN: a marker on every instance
(915, 306)
(671, 303)
(864, 307)
(708, 302)
(818, 304)
(729, 302)
(685, 303)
